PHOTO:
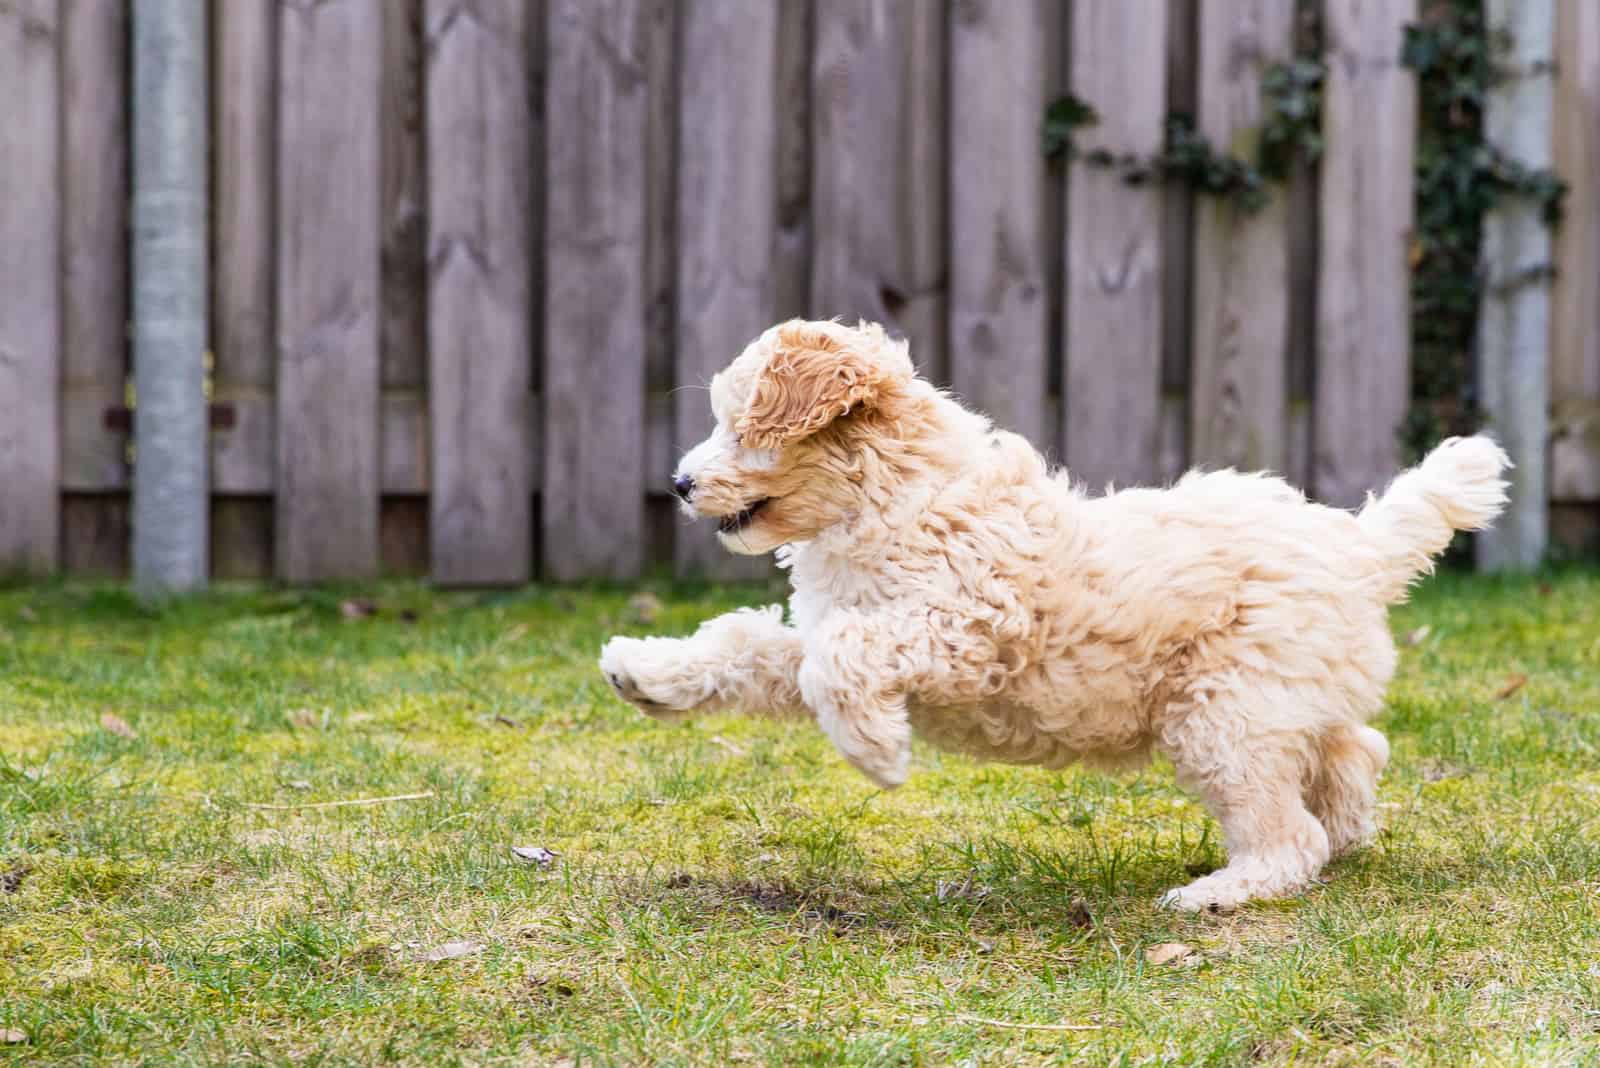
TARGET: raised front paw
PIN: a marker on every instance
(646, 673)
(881, 752)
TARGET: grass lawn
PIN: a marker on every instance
(727, 890)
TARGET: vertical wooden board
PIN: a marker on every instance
(999, 241)
(95, 534)
(877, 193)
(479, 320)
(792, 254)
(661, 43)
(592, 510)
(403, 536)
(327, 294)
(1177, 232)
(404, 192)
(727, 220)
(241, 537)
(94, 245)
(1239, 388)
(1514, 327)
(1575, 297)
(921, 272)
(1363, 374)
(30, 288)
(244, 227)
(1112, 290)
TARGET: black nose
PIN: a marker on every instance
(683, 485)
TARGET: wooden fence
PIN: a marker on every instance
(470, 256)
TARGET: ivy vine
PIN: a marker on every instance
(1459, 178)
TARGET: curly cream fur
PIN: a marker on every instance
(946, 583)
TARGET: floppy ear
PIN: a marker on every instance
(818, 372)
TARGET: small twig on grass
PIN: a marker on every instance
(351, 803)
(1028, 1026)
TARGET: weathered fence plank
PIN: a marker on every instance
(999, 285)
(244, 196)
(1363, 375)
(30, 287)
(1239, 386)
(792, 254)
(94, 265)
(1514, 311)
(727, 218)
(1177, 249)
(592, 510)
(877, 190)
(327, 299)
(1112, 313)
(479, 317)
(94, 244)
(404, 191)
(1575, 299)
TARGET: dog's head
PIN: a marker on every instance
(798, 415)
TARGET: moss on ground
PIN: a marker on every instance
(727, 890)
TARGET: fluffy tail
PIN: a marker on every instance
(1457, 487)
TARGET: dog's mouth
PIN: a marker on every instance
(732, 524)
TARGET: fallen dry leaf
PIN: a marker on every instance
(1545, 589)
(11, 1037)
(644, 608)
(116, 725)
(535, 855)
(1512, 685)
(298, 784)
(1420, 635)
(1168, 952)
(452, 951)
(358, 608)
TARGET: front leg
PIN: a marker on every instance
(850, 679)
(745, 660)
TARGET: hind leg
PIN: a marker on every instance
(1344, 786)
(1238, 750)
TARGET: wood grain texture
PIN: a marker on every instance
(1514, 326)
(661, 45)
(727, 222)
(1239, 387)
(792, 254)
(999, 188)
(1177, 234)
(1112, 294)
(1575, 296)
(94, 243)
(479, 316)
(244, 248)
(30, 287)
(592, 511)
(327, 292)
(1363, 376)
(404, 191)
(877, 190)
(242, 539)
(95, 535)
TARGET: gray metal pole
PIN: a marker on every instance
(1514, 315)
(170, 503)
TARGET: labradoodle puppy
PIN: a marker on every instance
(947, 583)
